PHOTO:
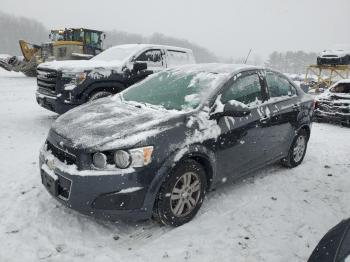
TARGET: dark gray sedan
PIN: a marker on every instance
(156, 148)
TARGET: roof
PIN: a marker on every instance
(219, 68)
(143, 46)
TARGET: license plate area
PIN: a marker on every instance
(50, 182)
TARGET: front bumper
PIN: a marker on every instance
(111, 196)
(53, 104)
(332, 116)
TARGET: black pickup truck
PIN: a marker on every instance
(63, 85)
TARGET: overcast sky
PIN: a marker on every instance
(226, 27)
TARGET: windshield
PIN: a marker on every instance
(116, 53)
(174, 90)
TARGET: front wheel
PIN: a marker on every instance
(181, 195)
(297, 150)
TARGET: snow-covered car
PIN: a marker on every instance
(338, 55)
(156, 148)
(63, 85)
(334, 246)
(334, 103)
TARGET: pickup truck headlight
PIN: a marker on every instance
(78, 78)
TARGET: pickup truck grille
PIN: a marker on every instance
(47, 79)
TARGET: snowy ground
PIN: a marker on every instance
(276, 215)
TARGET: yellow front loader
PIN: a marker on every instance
(67, 44)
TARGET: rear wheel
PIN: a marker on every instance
(99, 94)
(297, 150)
(181, 195)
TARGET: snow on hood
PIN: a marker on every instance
(81, 65)
(109, 124)
(328, 95)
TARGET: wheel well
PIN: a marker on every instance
(307, 129)
(205, 163)
(107, 88)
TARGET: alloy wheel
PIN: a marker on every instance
(299, 148)
(185, 194)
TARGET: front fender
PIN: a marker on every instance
(192, 151)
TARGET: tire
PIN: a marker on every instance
(99, 95)
(181, 194)
(297, 150)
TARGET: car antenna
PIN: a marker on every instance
(246, 59)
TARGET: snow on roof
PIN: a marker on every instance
(144, 46)
(218, 68)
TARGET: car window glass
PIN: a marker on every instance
(245, 89)
(153, 58)
(175, 58)
(279, 86)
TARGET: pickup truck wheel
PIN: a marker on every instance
(181, 194)
(98, 95)
(297, 150)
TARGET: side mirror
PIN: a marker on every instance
(232, 108)
(104, 36)
(139, 66)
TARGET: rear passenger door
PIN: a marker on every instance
(178, 58)
(153, 58)
(284, 107)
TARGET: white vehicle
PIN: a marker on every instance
(338, 55)
(63, 85)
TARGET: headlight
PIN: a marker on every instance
(78, 78)
(99, 160)
(122, 159)
(137, 157)
(68, 74)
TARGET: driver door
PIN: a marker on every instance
(241, 145)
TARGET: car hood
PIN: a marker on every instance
(109, 123)
(80, 65)
(344, 97)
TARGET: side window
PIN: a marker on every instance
(152, 57)
(245, 89)
(175, 58)
(279, 86)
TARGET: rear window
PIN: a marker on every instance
(176, 58)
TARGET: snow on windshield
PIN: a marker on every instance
(175, 89)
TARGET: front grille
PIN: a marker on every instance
(47, 78)
(61, 154)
